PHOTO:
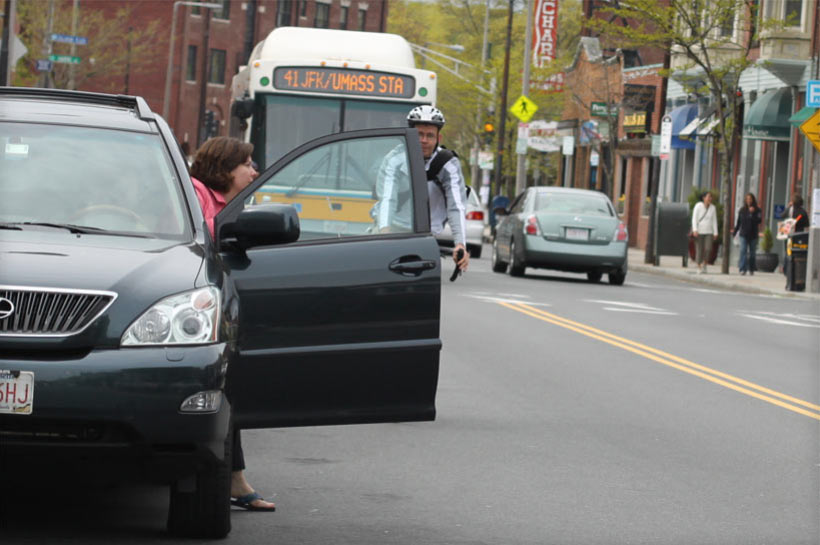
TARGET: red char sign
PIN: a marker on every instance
(544, 44)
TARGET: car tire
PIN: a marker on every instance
(516, 266)
(498, 265)
(617, 278)
(594, 276)
(205, 511)
(474, 250)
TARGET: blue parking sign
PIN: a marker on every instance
(813, 94)
(44, 65)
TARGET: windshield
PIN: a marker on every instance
(282, 122)
(100, 179)
(565, 203)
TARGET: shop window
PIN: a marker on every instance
(362, 18)
(190, 66)
(217, 67)
(322, 17)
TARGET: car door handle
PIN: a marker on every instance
(411, 265)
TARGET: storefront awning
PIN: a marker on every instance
(681, 117)
(692, 129)
(803, 114)
(768, 117)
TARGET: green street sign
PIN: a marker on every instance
(598, 109)
(64, 59)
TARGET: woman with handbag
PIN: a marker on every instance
(704, 229)
(748, 222)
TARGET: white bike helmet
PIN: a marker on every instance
(425, 115)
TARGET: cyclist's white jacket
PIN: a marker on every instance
(453, 207)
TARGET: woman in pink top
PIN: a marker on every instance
(222, 168)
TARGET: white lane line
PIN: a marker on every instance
(643, 311)
(783, 319)
(516, 295)
(493, 299)
(623, 306)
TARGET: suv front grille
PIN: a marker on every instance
(48, 312)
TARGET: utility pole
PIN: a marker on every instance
(47, 44)
(204, 73)
(474, 171)
(521, 164)
(75, 8)
(502, 110)
(8, 34)
(649, 251)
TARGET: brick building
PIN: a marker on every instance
(211, 45)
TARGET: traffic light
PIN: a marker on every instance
(489, 131)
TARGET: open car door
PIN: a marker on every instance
(342, 325)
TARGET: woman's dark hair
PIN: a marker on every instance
(216, 158)
(797, 201)
(703, 195)
(754, 200)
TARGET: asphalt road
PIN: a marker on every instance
(656, 412)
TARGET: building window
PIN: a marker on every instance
(793, 13)
(343, 15)
(225, 12)
(727, 25)
(284, 13)
(322, 17)
(302, 8)
(362, 18)
(190, 67)
(217, 67)
(196, 10)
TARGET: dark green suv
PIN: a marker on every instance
(132, 341)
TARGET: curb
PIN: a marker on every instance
(732, 286)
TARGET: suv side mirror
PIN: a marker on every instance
(261, 225)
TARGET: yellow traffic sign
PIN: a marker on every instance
(523, 109)
(811, 128)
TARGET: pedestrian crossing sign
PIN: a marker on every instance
(523, 108)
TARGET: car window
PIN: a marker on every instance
(518, 204)
(567, 203)
(99, 178)
(349, 188)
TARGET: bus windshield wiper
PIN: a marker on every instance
(74, 229)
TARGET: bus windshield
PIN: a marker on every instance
(283, 122)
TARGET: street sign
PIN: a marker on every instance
(666, 137)
(64, 59)
(811, 128)
(523, 139)
(68, 39)
(813, 94)
(44, 65)
(656, 145)
(523, 108)
(569, 145)
(599, 109)
(485, 160)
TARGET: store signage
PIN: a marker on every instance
(543, 136)
(343, 81)
(545, 45)
(635, 122)
(598, 109)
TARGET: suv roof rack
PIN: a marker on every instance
(135, 103)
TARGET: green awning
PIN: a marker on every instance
(798, 118)
(768, 117)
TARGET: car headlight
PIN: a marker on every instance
(191, 317)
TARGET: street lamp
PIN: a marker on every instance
(166, 106)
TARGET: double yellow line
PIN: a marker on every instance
(728, 381)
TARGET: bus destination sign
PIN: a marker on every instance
(343, 81)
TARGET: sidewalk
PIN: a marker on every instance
(761, 282)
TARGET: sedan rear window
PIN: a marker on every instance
(108, 180)
(565, 203)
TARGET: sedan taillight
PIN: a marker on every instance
(620, 233)
(531, 227)
(475, 215)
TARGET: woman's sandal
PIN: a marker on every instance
(246, 502)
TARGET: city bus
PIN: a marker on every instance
(303, 83)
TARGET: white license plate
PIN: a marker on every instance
(16, 392)
(577, 234)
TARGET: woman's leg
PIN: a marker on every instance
(707, 249)
(239, 485)
(742, 262)
(752, 252)
(238, 460)
(699, 250)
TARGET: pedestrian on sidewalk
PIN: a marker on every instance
(704, 229)
(748, 222)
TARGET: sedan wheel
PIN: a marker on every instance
(498, 265)
(617, 278)
(516, 266)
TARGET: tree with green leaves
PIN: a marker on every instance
(710, 42)
(115, 48)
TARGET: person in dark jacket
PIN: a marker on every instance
(747, 225)
(799, 214)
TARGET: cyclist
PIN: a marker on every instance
(446, 188)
